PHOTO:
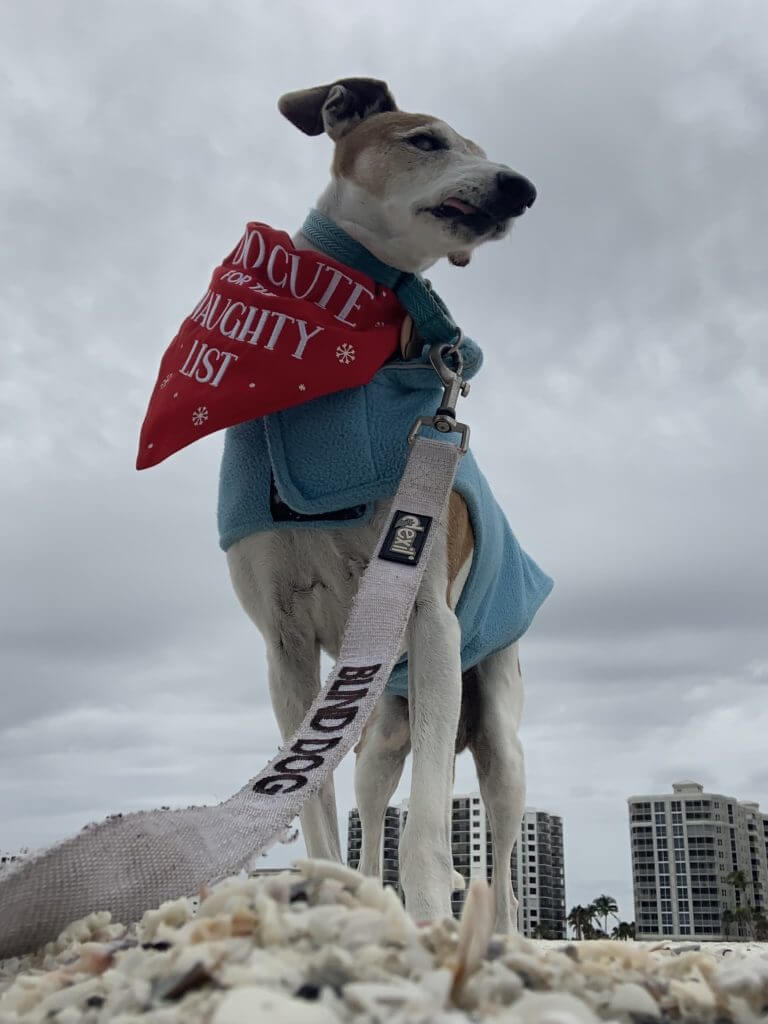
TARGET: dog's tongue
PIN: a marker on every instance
(457, 204)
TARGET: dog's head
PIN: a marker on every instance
(407, 185)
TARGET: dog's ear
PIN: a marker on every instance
(338, 107)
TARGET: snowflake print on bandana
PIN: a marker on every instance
(199, 416)
(345, 354)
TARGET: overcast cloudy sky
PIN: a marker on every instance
(621, 415)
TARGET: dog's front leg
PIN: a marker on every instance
(294, 680)
(434, 695)
(263, 568)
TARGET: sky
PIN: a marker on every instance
(620, 415)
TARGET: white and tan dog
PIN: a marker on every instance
(412, 190)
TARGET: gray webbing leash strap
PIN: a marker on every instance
(131, 863)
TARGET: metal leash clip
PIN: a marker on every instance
(454, 386)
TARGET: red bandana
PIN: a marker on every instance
(277, 327)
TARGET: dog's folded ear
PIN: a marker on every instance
(338, 107)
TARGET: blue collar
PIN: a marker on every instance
(429, 313)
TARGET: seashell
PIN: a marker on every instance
(397, 925)
(330, 869)
(492, 986)
(691, 997)
(378, 999)
(475, 932)
(437, 984)
(258, 1003)
(333, 968)
(534, 971)
(71, 995)
(95, 958)
(371, 893)
(633, 999)
(173, 913)
(177, 985)
(69, 1015)
(83, 930)
(685, 947)
(325, 924)
(272, 930)
(548, 1008)
(329, 945)
(360, 926)
(745, 978)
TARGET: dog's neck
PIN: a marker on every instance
(369, 222)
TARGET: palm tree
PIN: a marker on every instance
(576, 920)
(761, 927)
(743, 911)
(605, 905)
(726, 920)
(744, 914)
(580, 919)
(737, 879)
(623, 931)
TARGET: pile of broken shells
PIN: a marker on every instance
(328, 945)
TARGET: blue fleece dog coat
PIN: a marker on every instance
(349, 449)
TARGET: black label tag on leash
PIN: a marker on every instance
(405, 537)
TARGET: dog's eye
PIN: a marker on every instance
(425, 142)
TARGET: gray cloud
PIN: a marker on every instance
(621, 414)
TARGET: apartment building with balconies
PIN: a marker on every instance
(685, 847)
(389, 862)
(537, 869)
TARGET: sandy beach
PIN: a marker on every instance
(328, 945)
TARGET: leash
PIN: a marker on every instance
(134, 861)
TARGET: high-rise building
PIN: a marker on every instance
(538, 875)
(685, 846)
(536, 869)
(390, 844)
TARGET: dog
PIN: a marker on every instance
(412, 190)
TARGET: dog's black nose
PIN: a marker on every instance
(518, 193)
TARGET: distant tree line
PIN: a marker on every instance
(749, 922)
(591, 922)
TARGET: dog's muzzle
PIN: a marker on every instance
(511, 195)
